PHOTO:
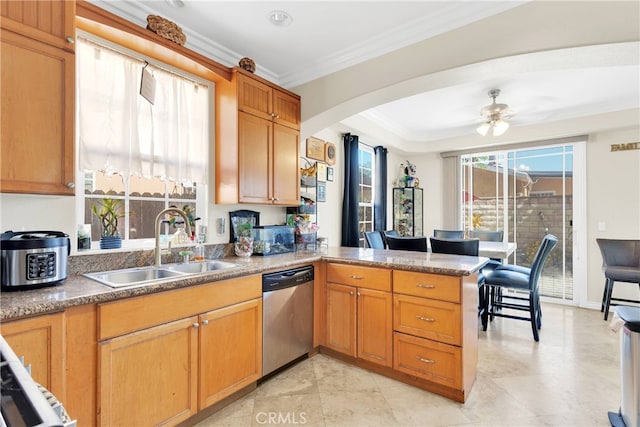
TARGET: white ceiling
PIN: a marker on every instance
(327, 36)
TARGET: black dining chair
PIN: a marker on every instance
(468, 247)
(448, 234)
(523, 280)
(374, 239)
(418, 244)
(620, 263)
(389, 233)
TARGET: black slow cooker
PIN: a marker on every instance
(33, 259)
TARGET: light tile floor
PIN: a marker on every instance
(570, 378)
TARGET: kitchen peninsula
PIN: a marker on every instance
(408, 315)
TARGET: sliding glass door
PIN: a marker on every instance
(527, 193)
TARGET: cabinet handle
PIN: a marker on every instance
(423, 360)
(358, 293)
(70, 40)
(205, 322)
(196, 325)
(276, 116)
(420, 285)
(357, 277)
(351, 293)
(426, 319)
(71, 185)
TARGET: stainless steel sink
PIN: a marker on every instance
(147, 275)
(200, 267)
(133, 276)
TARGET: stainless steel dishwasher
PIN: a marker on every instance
(287, 316)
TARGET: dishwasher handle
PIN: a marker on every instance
(287, 278)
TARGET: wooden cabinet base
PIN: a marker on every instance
(433, 387)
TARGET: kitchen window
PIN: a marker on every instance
(151, 152)
(365, 197)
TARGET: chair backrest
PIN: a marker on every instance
(455, 246)
(418, 244)
(374, 239)
(486, 235)
(448, 234)
(388, 233)
(548, 243)
(619, 253)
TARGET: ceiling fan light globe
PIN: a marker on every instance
(483, 129)
(500, 127)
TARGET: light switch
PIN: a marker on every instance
(602, 226)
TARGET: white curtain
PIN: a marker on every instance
(121, 132)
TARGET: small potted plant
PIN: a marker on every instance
(108, 212)
(244, 239)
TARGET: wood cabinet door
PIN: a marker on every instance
(375, 326)
(37, 147)
(50, 21)
(286, 109)
(285, 171)
(254, 159)
(255, 97)
(40, 341)
(149, 377)
(230, 350)
(341, 318)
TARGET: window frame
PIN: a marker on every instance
(201, 200)
(362, 224)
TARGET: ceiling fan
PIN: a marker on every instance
(495, 116)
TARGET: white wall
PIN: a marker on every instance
(613, 198)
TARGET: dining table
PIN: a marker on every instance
(495, 250)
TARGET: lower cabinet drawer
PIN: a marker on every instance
(430, 360)
(426, 318)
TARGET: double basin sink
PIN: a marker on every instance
(151, 274)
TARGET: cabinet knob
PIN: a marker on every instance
(205, 322)
(70, 40)
(71, 185)
(351, 293)
(358, 293)
(196, 325)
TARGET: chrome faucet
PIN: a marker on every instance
(158, 253)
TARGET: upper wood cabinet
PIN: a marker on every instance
(257, 161)
(268, 102)
(49, 21)
(38, 87)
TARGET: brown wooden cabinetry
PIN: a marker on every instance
(40, 341)
(38, 86)
(435, 329)
(207, 346)
(359, 318)
(259, 164)
(50, 21)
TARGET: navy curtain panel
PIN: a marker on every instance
(350, 229)
(380, 195)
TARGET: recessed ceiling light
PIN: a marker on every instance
(280, 18)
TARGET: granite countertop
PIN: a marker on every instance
(78, 290)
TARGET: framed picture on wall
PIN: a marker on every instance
(322, 192)
(321, 171)
(315, 148)
(329, 174)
